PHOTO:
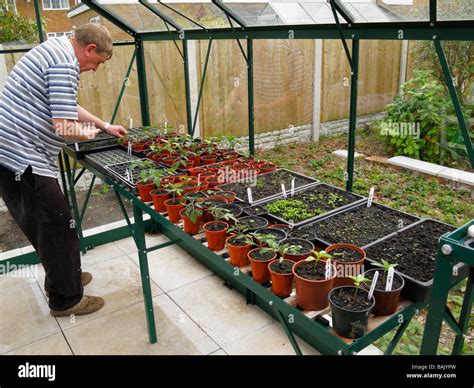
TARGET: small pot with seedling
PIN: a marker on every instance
(228, 195)
(239, 243)
(276, 234)
(191, 215)
(208, 203)
(161, 194)
(314, 278)
(145, 182)
(299, 249)
(174, 204)
(262, 256)
(281, 273)
(351, 307)
(349, 260)
(387, 291)
(216, 230)
(266, 167)
(235, 209)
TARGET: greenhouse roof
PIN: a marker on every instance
(227, 19)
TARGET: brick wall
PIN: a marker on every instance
(57, 20)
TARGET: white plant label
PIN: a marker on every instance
(129, 178)
(131, 122)
(283, 190)
(129, 150)
(249, 194)
(388, 286)
(371, 196)
(293, 187)
(76, 146)
(328, 269)
(374, 283)
(199, 179)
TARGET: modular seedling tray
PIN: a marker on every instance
(268, 185)
(358, 225)
(413, 248)
(329, 200)
(102, 159)
(128, 179)
(78, 150)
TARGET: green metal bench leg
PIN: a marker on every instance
(289, 333)
(146, 287)
(436, 310)
(464, 319)
(72, 195)
(398, 335)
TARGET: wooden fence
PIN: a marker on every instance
(283, 84)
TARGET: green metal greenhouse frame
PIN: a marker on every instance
(347, 29)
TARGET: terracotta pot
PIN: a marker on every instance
(300, 256)
(212, 181)
(230, 155)
(386, 302)
(170, 160)
(208, 159)
(215, 238)
(238, 253)
(197, 170)
(159, 199)
(158, 158)
(266, 167)
(313, 294)
(144, 191)
(167, 179)
(346, 269)
(203, 186)
(260, 272)
(229, 196)
(190, 227)
(240, 166)
(173, 210)
(282, 284)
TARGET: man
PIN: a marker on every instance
(38, 112)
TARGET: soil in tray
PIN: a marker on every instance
(283, 268)
(311, 271)
(310, 203)
(87, 146)
(253, 222)
(414, 250)
(396, 284)
(262, 256)
(267, 184)
(344, 298)
(302, 234)
(361, 225)
(346, 255)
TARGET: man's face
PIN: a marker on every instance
(89, 59)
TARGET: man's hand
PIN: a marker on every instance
(116, 130)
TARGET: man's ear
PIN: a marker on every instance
(89, 48)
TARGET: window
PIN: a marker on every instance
(9, 5)
(95, 20)
(55, 4)
(58, 34)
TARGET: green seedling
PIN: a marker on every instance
(318, 256)
(386, 266)
(358, 281)
(221, 214)
(192, 210)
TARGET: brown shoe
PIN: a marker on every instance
(85, 279)
(87, 305)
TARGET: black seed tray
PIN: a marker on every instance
(78, 150)
(100, 160)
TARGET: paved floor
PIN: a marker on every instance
(194, 312)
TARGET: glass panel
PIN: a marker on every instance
(281, 12)
(136, 16)
(180, 20)
(203, 12)
(383, 11)
(455, 10)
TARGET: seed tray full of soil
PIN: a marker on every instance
(268, 185)
(359, 225)
(79, 150)
(310, 204)
(105, 158)
(413, 249)
(119, 173)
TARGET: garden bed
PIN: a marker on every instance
(310, 204)
(414, 249)
(359, 225)
(268, 185)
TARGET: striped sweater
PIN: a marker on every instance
(41, 86)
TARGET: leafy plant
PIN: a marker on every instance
(386, 266)
(16, 27)
(192, 210)
(175, 189)
(220, 214)
(241, 233)
(290, 209)
(318, 256)
(358, 281)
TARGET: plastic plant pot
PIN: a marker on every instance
(216, 234)
(282, 282)
(259, 263)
